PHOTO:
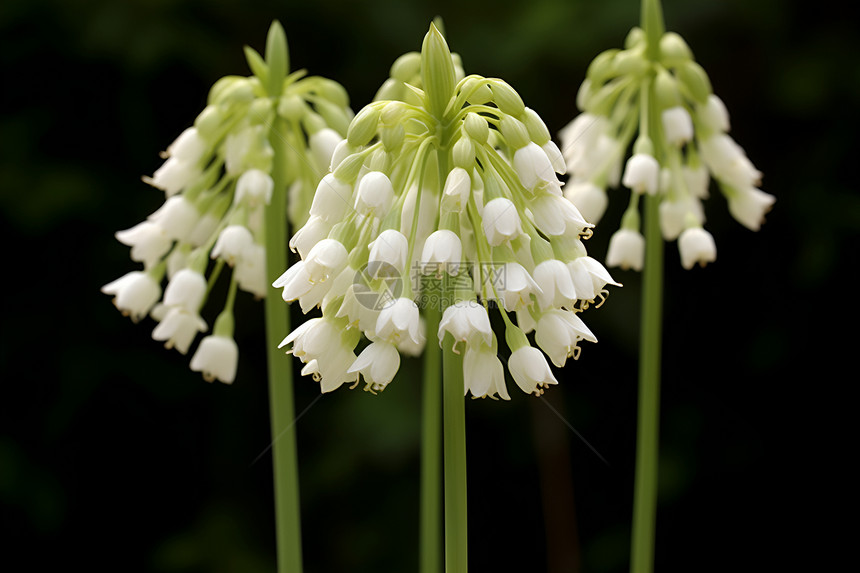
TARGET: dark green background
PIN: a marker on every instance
(115, 457)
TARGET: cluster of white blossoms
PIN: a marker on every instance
(450, 202)
(217, 179)
(682, 142)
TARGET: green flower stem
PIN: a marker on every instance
(650, 337)
(282, 410)
(430, 548)
(645, 488)
(454, 433)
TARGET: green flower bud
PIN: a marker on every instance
(277, 59)
(393, 113)
(292, 107)
(514, 132)
(437, 72)
(695, 80)
(674, 51)
(312, 123)
(601, 66)
(209, 121)
(406, 67)
(636, 37)
(538, 131)
(464, 153)
(476, 127)
(507, 98)
(363, 126)
(333, 92)
(392, 137)
(630, 63)
(230, 89)
(348, 169)
(257, 64)
(337, 117)
(666, 90)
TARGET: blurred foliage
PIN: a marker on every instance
(114, 455)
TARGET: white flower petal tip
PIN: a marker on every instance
(696, 245)
(216, 358)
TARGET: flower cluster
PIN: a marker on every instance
(682, 142)
(448, 202)
(218, 183)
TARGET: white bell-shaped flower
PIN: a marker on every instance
(467, 321)
(748, 207)
(556, 284)
(174, 175)
(186, 289)
(530, 370)
(378, 364)
(398, 320)
(148, 242)
(626, 250)
(189, 146)
(391, 248)
(178, 327)
(177, 216)
(322, 145)
(642, 174)
(713, 114)
(514, 285)
(254, 188)
(442, 252)
(135, 293)
(216, 358)
(728, 162)
(557, 333)
(232, 243)
(483, 373)
(457, 190)
(314, 230)
(332, 199)
(534, 168)
(501, 221)
(696, 245)
(555, 215)
(677, 125)
(374, 195)
(326, 259)
(589, 277)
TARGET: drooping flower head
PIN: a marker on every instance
(445, 194)
(663, 99)
(218, 182)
